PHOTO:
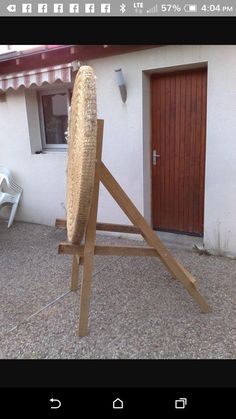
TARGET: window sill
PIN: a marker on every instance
(53, 151)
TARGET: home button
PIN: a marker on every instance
(118, 404)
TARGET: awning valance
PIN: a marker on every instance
(36, 77)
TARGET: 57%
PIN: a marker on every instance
(170, 8)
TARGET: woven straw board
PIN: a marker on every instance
(82, 134)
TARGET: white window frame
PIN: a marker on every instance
(45, 146)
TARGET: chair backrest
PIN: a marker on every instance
(6, 174)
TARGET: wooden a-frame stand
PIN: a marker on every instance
(84, 254)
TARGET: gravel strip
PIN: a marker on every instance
(137, 310)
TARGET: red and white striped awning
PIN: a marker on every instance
(36, 77)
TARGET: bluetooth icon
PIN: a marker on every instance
(122, 8)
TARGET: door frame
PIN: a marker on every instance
(147, 132)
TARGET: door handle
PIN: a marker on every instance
(154, 157)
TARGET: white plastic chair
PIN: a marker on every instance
(10, 192)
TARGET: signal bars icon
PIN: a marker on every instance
(122, 8)
(153, 9)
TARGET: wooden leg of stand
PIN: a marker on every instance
(75, 274)
(85, 295)
(90, 237)
(77, 262)
(176, 269)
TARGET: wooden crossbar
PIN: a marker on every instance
(119, 228)
(103, 250)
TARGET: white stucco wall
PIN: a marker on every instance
(127, 129)
(126, 148)
(42, 176)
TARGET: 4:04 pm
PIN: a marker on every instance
(211, 8)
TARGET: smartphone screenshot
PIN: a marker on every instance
(117, 208)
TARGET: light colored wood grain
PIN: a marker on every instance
(103, 250)
(90, 236)
(66, 248)
(74, 274)
(119, 228)
(125, 251)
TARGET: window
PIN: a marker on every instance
(53, 106)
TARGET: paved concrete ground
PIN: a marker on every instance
(137, 310)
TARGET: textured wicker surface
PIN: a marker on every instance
(81, 153)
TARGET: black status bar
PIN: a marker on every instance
(121, 8)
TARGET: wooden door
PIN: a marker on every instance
(178, 139)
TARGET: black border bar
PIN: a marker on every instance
(118, 30)
(118, 373)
